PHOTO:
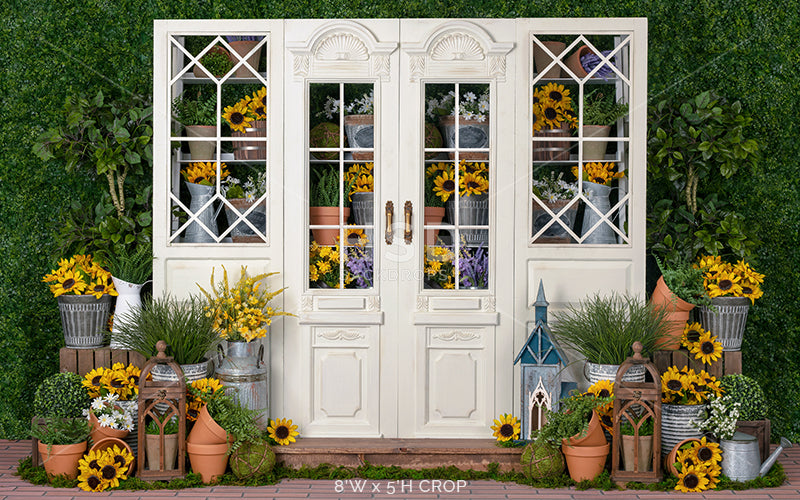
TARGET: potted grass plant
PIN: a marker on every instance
(324, 204)
(645, 458)
(131, 267)
(197, 112)
(602, 329)
(62, 443)
(152, 432)
(600, 111)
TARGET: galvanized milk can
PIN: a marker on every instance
(243, 368)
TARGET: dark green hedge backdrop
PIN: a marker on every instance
(743, 49)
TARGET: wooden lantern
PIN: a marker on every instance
(638, 403)
(170, 396)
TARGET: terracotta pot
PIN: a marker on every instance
(673, 455)
(677, 313)
(201, 73)
(154, 451)
(208, 460)
(242, 48)
(100, 433)
(585, 462)
(645, 459)
(119, 443)
(595, 150)
(326, 216)
(542, 58)
(433, 217)
(206, 430)
(594, 434)
(574, 61)
(62, 458)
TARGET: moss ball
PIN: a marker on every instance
(325, 135)
(746, 391)
(433, 140)
(61, 395)
(541, 460)
(252, 459)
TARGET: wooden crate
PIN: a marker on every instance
(730, 363)
(760, 429)
(82, 361)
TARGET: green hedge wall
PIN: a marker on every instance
(743, 49)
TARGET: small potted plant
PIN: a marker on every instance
(324, 205)
(243, 195)
(243, 45)
(153, 436)
(678, 290)
(596, 179)
(62, 443)
(554, 194)
(600, 111)
(201, 180)
(248, 118)
(584, 60)
(473, 121)
(131, 267)
(362, 193)
(197, 112)
(83, 290)
(602, 329)
(216, 61)
(553, 117)
(109, 419)
(645, 447)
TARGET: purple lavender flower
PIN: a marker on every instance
(242, 38)
(473, 268)
(359, 264)
(590, 60)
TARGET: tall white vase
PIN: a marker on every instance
(129, 298)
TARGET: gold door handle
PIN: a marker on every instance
(389, 217)
(408, 232)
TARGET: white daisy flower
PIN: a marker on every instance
(97, 404)
(470, 97)
(106, 421)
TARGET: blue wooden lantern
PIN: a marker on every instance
(541, 362)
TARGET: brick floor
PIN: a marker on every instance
(13, 487)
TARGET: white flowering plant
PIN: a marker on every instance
(554, 188)
(110, 414)
(721, 417)
(362, 106)
(470, 106)
(252, 189)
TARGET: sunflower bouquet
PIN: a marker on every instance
(204, 172)
(552, 108)
(682, 386)
(80, 275)
(723, 279)
(697, 463)
(103, 469)
(241, 312)
(199, 393)
(598, 172)
(701, 343)
(249, 109)
(120, 381)
(473, 179)
(360, 178)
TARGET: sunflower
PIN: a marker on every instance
(444, 185)
(110, 470)
(116, 382)
(686, 458)
(551, 117)
(707, 349)
(691, 334)
(558, 94)
(673, 382)
(193, 410)
(122, 458)
(237, 116)
(91, 480)
(472, 184)
(692, 479)
(602, 389)
(435, 169)
(709, 261)
(724, 283)
(92, 382)
(751, 290)
(711, 382)
(282, 431)
(712, 472)
(706, 452)
(538, 122)
(258, 104)
(69, 282)
(101, 287)
(132, 373)
(356, 237)
(506, 428)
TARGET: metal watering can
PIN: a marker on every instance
(740, 457)
(770, 461)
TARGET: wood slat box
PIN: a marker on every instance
(730, 363)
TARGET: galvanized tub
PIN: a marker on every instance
(243, 368)
(740, 457)
(598, 372)
(191, 373)
(677, 424)
(728, 322)
(84, 318)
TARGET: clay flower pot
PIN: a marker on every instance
(100, 433)
(677, 313)
(154, 451)
(585, 462)
(206, 430)
(62, 459)
(326, 216)
(433, 217)
(574, 61)
(208, 460)
(106, 443)
(594, 435)
(673, 455)
(645, 458)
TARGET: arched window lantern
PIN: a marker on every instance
(637, 404)
(161, 402)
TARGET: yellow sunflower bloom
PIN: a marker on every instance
(472, 184)
(558, 94)
(69, 282)
(707, 453)
(238, 117)
(116, 382)
(602, 389)
(435, 169)
(91, 480)
(110, 470)
(122, 458)
(691, 334)
(356, 237)
(258, 104)
(93, 381)
(709, 261)
(686, 458)
(725, 283)
(673, 382)
(751, 290)
(282, 431)
(444, 185)
(692, 479)
(707, 349)
(538, 119)
(551, 115)
(506, 428)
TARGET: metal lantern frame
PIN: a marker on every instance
(171, 394)
(637, 402)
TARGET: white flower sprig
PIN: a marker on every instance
(470, 107)
(109, 413)
(554, 188)
(363, 106)
(722, 417)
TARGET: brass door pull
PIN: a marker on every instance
(389, 217)
(408, 232)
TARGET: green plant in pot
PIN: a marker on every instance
(197, 112)
(131, 267)
(242, 195)
(217, 62)
(602, 329)
(600, 111)
(184, 325)
(62, 443)
(324, 203)
(645, 443)
(679, 289)
(153, 433)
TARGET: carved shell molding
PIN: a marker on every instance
(458, 335)
(457, 47)
(342, 47)
(341, 334)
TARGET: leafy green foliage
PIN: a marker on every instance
(603, 328)
(238, 421)
(601, 108)
(131, 264)
(217, 62)
(60, 431)
(685, 281)
(153, 426)
(325, 187)
(62, 396)
(571, 419)
(195, 106)
(746, 391)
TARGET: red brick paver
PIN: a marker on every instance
(14, 488)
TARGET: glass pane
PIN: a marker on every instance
(580, 90)
(342, 175)
(219, 135)
(456, 172)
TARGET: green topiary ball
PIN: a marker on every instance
(746, 391)
(433, 140)
(61, 395)
(324, 135)
(541, 460)
(252, 459)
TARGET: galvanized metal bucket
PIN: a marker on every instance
(597, 372)
(472, 211)
(677, 424)
(740, 457)
(192, 372)
(726, 318)
(243, 368)
(84, 318)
